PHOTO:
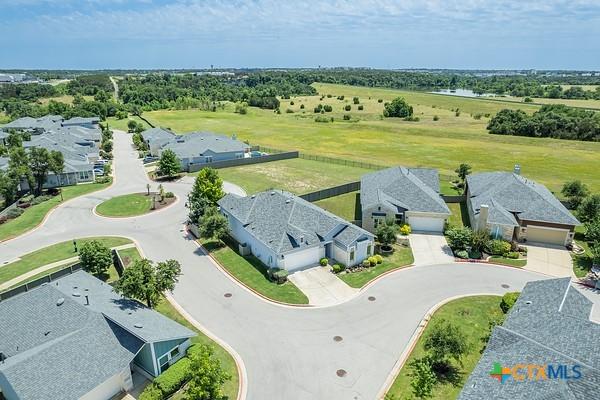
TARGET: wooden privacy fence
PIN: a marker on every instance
(39, 281)
(331, 191)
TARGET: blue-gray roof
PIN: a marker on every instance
(157, 134)
(413, 189)
(284, 222)
(549, 324)
(508, 194)
(197, 144)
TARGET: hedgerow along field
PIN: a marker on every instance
(456, 137)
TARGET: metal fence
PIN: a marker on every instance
(331, 192)
(118, 261)
(245, 161)
(39, 281)
(329, 160)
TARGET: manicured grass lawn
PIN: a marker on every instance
(345, 205)
(128, 205)
(472, 315)
(401, 257)
(230, 389)
(253, 273)
(50, 254)
(129, 255)
(582, 263)
(460, 214)
(446, 187)
(297, 175)
(509, 261)
(442, 144)
(35, 214)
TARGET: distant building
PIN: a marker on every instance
(75, 338)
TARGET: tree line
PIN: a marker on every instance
(555, 121)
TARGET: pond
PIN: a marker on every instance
(462, 93)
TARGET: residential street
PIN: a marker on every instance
(289, 353)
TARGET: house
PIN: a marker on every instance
(406, 195)
(75, 338)
(91, 122)
(513, 207)
(285, 231)
(156, 138)
(547, 348)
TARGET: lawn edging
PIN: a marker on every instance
(415, 338)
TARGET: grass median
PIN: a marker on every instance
(128, 205)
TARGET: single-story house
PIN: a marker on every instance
(76, 338)
(513, 207)
(285, 231)
(156, 138)
(91, 122)
(202, 148)
(406, 195)
(547, 348)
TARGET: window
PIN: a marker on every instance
(352, 254)
(400, 219)
(369, 249)
(208, 159)
(163, 362)
(175, 352)
(239, 155)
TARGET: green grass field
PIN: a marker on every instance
(442, 144)
(253, 273)
(472, 316)
(34, 215)
(128, 205)
(509, 261)
(47, 255)
(401, 257)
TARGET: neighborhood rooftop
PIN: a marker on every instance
(284, 222)
(507, 194)
(197, 143)
(549, 324)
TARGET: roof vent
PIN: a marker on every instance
(272, 193)
(60, 301)
(253, 196)
(528, 302)
(288, 201)
(76, 294)
(517, 169)
(138, 325)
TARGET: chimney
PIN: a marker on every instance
(484, 211)
(517, 169)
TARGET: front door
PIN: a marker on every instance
(328, 250)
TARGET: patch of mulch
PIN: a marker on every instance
(162, 204)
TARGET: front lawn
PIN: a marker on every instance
(401, 257)
(128, 205)
(34, 215)
(47, 255)
(509, 261)
(253, 273)
(472, 315)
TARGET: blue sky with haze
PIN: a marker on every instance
(544, 34)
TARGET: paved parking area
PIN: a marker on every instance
(430, 248)
(550, 260)
(321, 286)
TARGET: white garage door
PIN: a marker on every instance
(546, 235)
(304, 259)
(426, 224)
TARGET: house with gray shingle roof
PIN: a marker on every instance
(548, 327)
(156, 138)
(285, 231)
(406, 195)
(77, 338)
(514, 207)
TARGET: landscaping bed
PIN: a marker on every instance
(134, 204)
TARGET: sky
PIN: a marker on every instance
(160, 34)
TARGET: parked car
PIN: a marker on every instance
(149, 159)
(98, 172)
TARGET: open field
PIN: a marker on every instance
(581, 103)
(35, 214)
(67, 99)
(472, 316)
(442, 144)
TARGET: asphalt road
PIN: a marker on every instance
(289, 353)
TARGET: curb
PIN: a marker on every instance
(415, 338)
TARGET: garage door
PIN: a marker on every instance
(304, 259)
(545, 235)
(426, 224)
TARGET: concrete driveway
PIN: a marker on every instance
(550, 260)
(430, 248)
(321, 286)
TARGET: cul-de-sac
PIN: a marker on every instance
(231, 214)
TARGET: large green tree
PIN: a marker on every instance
(169, 164)
(207, 190)
(95, 258)
(589, 209)
(39, 162)
(445, 342)
(398, 108)
(213, 225)
(575, 192)
(386, 233)
(208, 377)
(462, 171)
(19, 168)
(146, 281)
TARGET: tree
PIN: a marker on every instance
(57, 166)
(422, 376)
(207, 375)
(39, 161)
(131, 124)
(145, 281)
(398, 108)
(444, 342)
(18, 166)
(575, 192)
(589, 209)
(462, 171)
(213, 225)
(169, 163)
(95, 258)
(592, 231)
(386, 233)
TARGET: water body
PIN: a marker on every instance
(462, 93)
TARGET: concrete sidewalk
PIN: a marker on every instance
(321, 286)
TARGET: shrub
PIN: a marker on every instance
(436, 118)
(355, 100)
(347, 107)
(366, 263)
(151, 392)
(527, 100)
(3, 219)
(497, 247)
(346, 117)
(405, 229)
(477, 116)
(103, 179)
(457, 114)
(361, 107)
(327, 108)
(459, 238)
(291, 103)
(380, 100)
(277, 275)
(379, 258)
(289, 111)
(340, 97)
(329, 96)
(302, 106)
(324, 261)
(372, 260)
(39, 200)
(337, 268)
(322, 119)
(174, 378)
(512, 254)
(508, 300)
(475, 254)
(169, 195)
(461, 254)
(411, 119)
(14, 213)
